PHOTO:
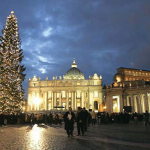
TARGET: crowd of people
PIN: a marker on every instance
(82, 117)
(51, 118)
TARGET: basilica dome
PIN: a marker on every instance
(74, 72)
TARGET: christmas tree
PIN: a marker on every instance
(11, 70)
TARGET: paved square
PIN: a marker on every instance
(106, 137)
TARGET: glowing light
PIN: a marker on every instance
(104, 107)
(118, 79)
(116, 104)
(36, 101)
(96, 111)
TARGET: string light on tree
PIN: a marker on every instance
(11, 69)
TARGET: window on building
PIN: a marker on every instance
(64, 105)
(78, 83)
(78, 94)
(85, 83)
(95, 94)
(49, 106)
(63, 94)
(69, 94)
(57, 95)
(49, 94)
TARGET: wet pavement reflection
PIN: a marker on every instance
(45, 137)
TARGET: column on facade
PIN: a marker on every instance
(34, 100)
(52, 101)
(127, 100)
(29, 102)
(109, 104)
(60, 103)
(121, 103)
(82, 99)
(132, 102)
(139, 104)
(67, 99)
(135, 103)
(100, 106)
(54, 98)
(124, 100)
(46, 101)
(144, 102)
(148, 100)
(38, 100)
(72, 100)
(89, 100)
(75, 99)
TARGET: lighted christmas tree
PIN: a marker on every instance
(11, 69)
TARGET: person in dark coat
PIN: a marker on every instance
(135, 116)
(80, 121)
(147, 118)
(99, 118)
(85, 122)
(69, 118)
(32, 119)
(50, 119)
(1, 119)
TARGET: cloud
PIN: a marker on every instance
(42, 70)
(101, 35)
(47, 32)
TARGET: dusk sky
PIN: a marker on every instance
(102, 35)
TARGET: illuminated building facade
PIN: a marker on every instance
(130, 90)
(70, 90)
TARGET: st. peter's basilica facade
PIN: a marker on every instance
(70, 90)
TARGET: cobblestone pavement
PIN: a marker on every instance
(105, 137)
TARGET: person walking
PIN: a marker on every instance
(85, 121)
(38, 118)
(32, 119)
(60, 118)
(147, 118)
(99, 118)
(1, 119)
(93, 118)
(50, 119)
(69, 118)
(135, 117)
(80, 121)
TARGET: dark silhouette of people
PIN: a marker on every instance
(80, 121)
(147, 118)
(85, 121)
(69, 118)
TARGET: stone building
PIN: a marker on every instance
(130, 91)
(61, 92)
